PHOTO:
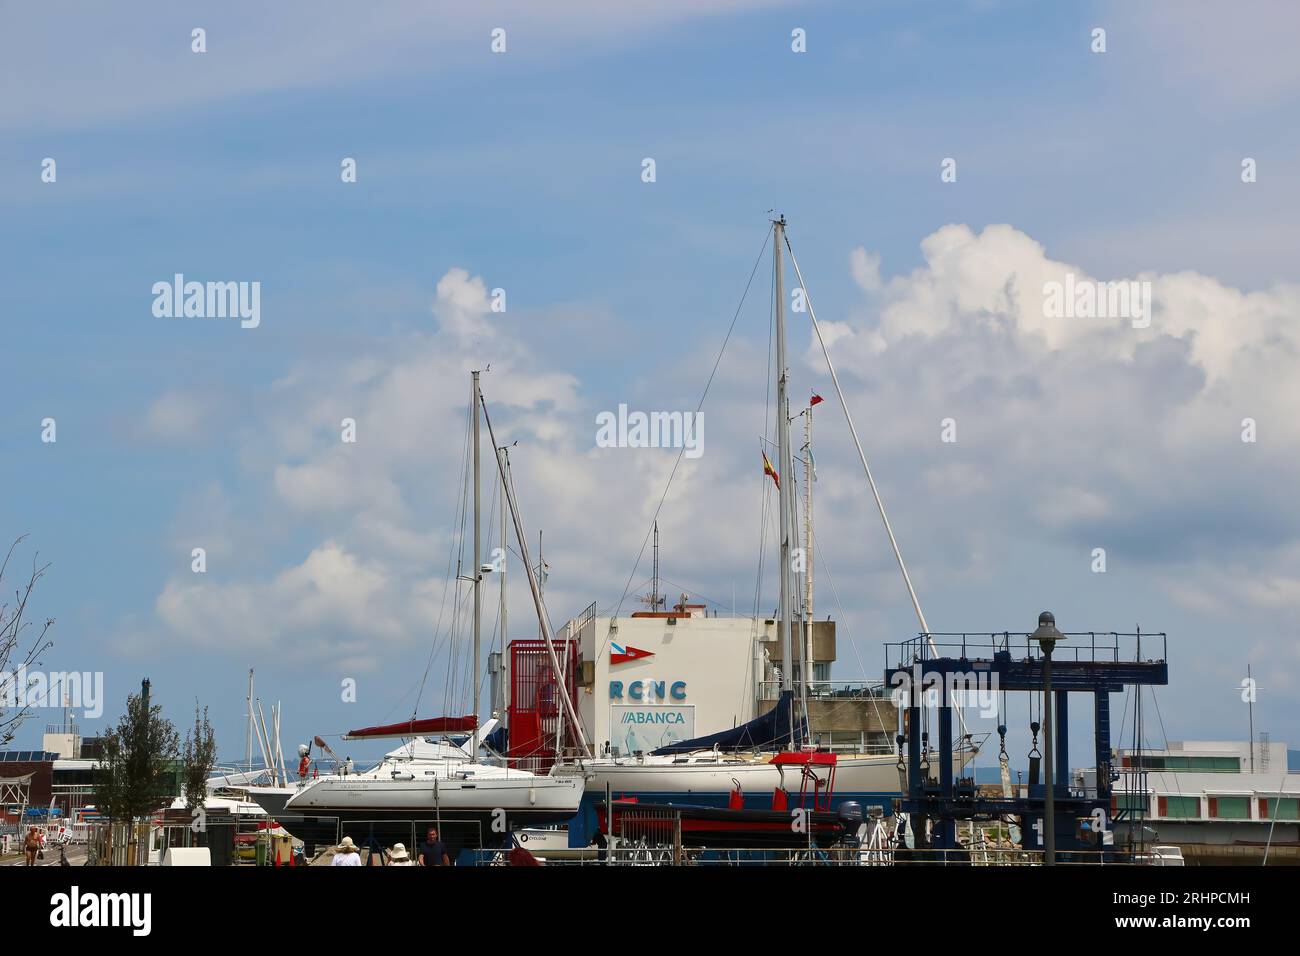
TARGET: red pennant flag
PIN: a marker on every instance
(816, 400)
(621, 655)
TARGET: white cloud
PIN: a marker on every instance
(1071, 436)
(104, 64)
(866, 269)
(1197, 45)
(177, 416)
(309, 611)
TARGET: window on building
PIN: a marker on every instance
(1132, 802)
(1186, 764)
(1230, 808)
(1186, 808)
(1288, 808)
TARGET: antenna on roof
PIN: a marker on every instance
(654, 599)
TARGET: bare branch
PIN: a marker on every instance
(16, 655)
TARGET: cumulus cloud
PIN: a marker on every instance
(866, 269)
(1101, 431)
(332, 604)
(176, 417)
(995, 280)
(1071, 433)
(379, 507)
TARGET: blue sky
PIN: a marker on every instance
(524, 169)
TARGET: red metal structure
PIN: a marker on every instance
(535, 703)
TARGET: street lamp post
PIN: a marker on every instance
(1047, 635)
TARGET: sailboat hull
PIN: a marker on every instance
(723, 827)
(469, 814)
(855, 777)
(707, 780)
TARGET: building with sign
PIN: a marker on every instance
(653, 678)
(1220, 801)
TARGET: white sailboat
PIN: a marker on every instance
(711, 774)
(438, 782)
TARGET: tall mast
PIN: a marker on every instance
(875, 492)
(784, 628)
(539, 602)
(478, 568)
(499, 703)
(250, 720)
(808, 550)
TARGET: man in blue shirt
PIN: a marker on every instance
(432, 852)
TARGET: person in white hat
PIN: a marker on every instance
(399, 856)
(346, 854)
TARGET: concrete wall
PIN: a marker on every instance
(823, 642)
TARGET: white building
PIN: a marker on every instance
(652, 679)
(657, 677)
(1225, 797)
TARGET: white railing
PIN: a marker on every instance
(868, 854)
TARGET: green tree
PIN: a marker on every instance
(198, 757)
(135, 775)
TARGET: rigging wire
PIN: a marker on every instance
(446, 584)
(451, 686)
(880, 505)
(825, 566)
(682, 451)
(765, 515)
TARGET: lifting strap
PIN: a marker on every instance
(1035, 758)
(1004, 761)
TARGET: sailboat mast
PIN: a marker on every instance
(784, 629)
(539, 602)
(249, 700)
(808, 549)
(478, 568)
(499, 703)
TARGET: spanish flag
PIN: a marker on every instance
(769, 470)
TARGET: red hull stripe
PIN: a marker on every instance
(418, 728)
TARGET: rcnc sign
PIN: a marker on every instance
(642, 690)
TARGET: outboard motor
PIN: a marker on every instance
(850, 816)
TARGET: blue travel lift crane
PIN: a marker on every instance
(1096, 663)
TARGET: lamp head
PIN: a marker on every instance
(1047, 635)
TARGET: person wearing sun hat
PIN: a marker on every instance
(346, 854)
(399, 856)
